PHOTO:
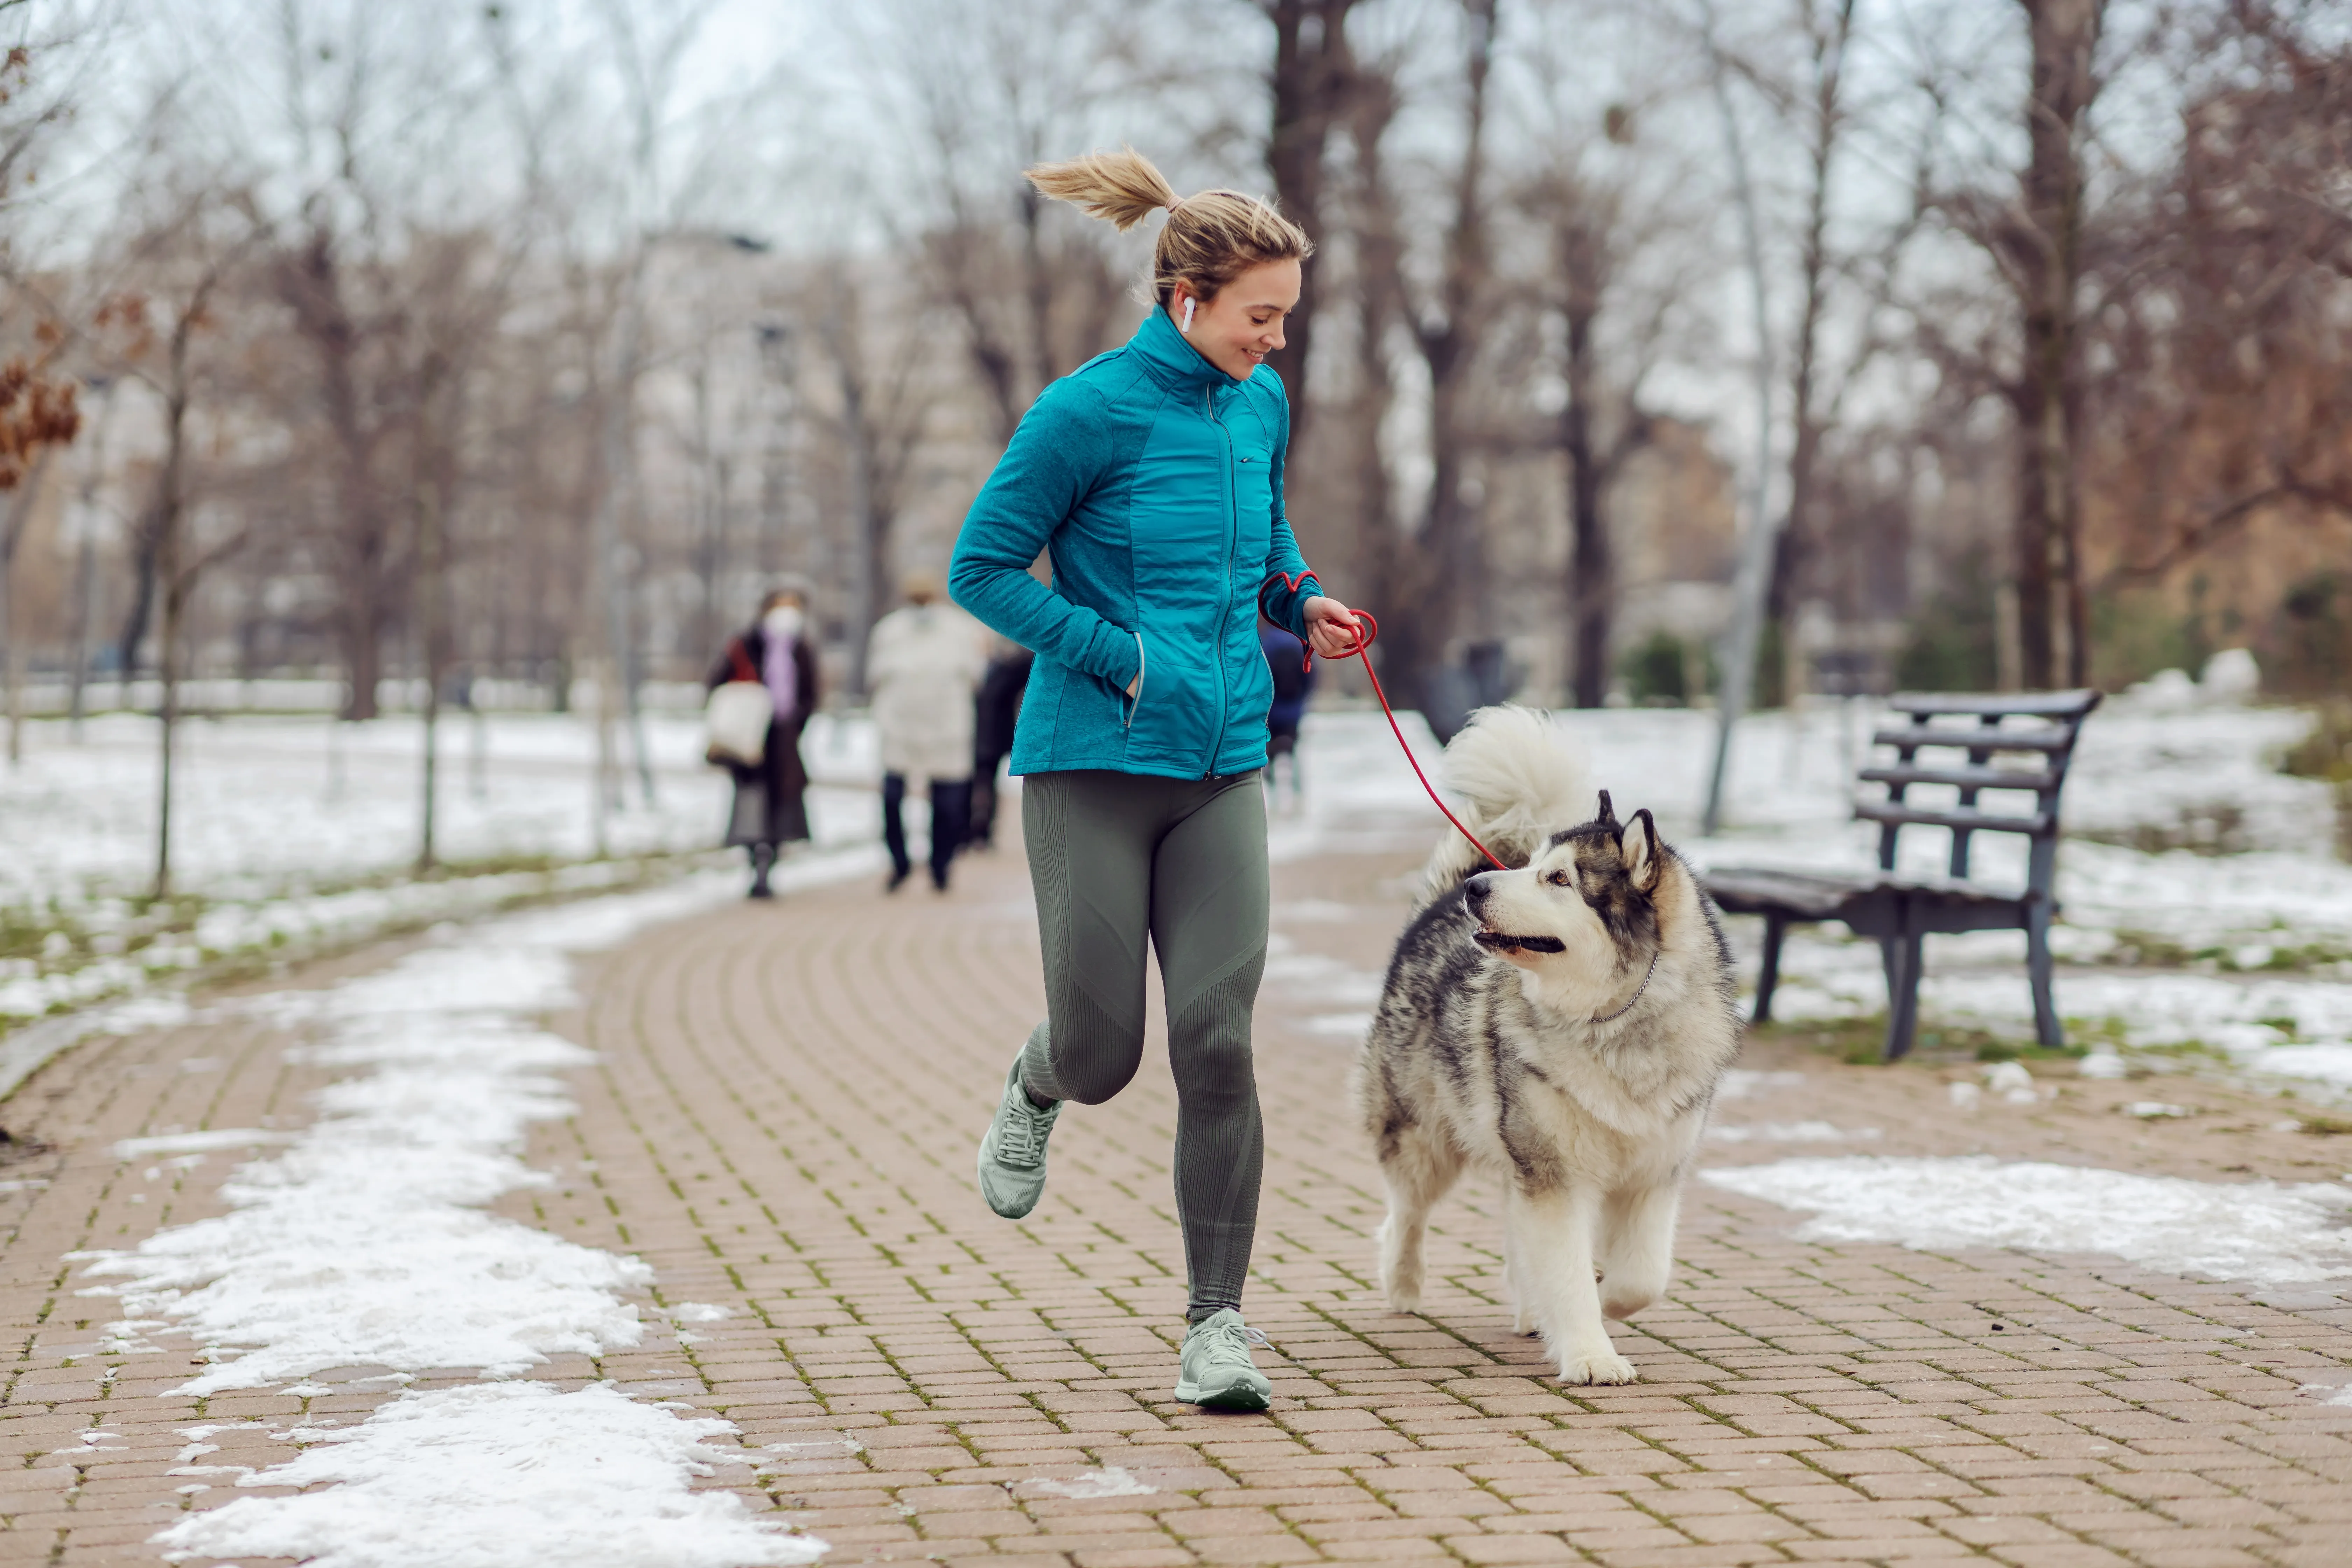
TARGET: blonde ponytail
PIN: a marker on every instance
(1122, 188)
(1212, 237)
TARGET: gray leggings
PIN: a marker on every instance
(1115, 857)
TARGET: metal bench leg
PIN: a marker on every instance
(1903, 965)
(2047, 1027)
(1775, 928)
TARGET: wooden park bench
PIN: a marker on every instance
(1900, 907)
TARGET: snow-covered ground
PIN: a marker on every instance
(294, 832)
(364, 1243)
(267, 805)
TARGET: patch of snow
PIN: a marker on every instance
(2329, 1063)
(1744, 1083)
(2154, 1108)
(1108, 1481)
(2104, 1062)
(2012, 1082)
(366, 1242)
(831, 1445)
(2261, 1232)
(496, 1474)
(1790, 1132)
(203, 1142)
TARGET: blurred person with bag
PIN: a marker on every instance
(923, 663)
(773, 657)
(998, 711)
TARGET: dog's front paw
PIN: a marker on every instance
(1601, 1366)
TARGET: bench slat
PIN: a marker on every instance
(1950, 817)
(2037, 704)
(2049, 739)
(1963, 778)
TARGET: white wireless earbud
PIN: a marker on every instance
(1187, 327)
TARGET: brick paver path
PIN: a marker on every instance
(782, 1123)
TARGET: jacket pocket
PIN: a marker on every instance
(1134, 704)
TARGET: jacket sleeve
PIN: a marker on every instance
(1284, 604)
(1061, 449)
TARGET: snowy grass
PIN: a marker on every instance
(297, 835)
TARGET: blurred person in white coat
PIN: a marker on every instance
(923, 663)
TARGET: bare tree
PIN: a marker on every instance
(882, 404)
(2034, 233)
(190, 256)
(995, 90)
(1446, 323)
(1313, 83)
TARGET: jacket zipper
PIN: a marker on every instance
(1217, 646)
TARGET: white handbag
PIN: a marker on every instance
(735, 720)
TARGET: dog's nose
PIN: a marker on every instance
(1475, 890)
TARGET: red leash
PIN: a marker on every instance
(1359, 651)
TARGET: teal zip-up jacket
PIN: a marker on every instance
(1153, 481)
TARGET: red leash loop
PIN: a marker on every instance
(1359, 651)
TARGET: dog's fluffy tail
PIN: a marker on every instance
(1519, 780)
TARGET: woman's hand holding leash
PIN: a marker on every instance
(1333, 630)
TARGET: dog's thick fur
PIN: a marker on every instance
(1500, 1042)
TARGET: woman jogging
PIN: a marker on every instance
(1152, 476)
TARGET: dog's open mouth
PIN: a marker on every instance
(1503, 942)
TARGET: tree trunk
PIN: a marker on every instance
(19, 519)
(1313, 75)
(430, 591)
(1591, 572)
(2044, 252)
(1814, 267)
(85, 592)
(1449, 556)
(172, 578)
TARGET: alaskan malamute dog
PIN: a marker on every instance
(1562, 1024)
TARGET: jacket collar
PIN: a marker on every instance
(1173, 361)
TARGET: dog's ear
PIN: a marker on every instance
(1608, 817)
(1639, 849)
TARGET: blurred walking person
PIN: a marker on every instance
(924, 662)
(1294, 683)
(997, 711)
(1152, 476)
(771, 809)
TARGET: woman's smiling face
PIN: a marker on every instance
(1235, 330)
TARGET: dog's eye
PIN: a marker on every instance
(1561, 879)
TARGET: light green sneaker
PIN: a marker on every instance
(1216, 1371)
(1012, 1152)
